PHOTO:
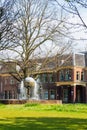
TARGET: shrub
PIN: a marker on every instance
(31, 104)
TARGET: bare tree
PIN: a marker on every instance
(38, 32)
(6, 20)
(78, 22)
(76, 6)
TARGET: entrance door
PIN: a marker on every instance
(65, 95)
(78, 96)
(6, 94)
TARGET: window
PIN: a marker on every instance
(39, 78)
(68, 75)
(13, 94)
(61, 75)
(6, 81)
(82, 75)
(46, 95)
(45, 78)
(62, 62)
(10, 94)
(6, 94)
(77, 75)
(11, 81)
(51, 79)
(52, 94)
(65, 75)
(65, 95)
(1, 86)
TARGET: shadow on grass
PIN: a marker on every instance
(45, 123)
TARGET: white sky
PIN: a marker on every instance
(79, 45)
(78, 33)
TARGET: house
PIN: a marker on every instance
(64, 79)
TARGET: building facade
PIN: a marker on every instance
(66, 81)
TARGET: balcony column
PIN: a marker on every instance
(73, 94)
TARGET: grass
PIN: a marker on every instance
(35, 116)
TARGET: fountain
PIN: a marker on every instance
(22, 94)
(34, 88)
(34, 85)
(35, 92)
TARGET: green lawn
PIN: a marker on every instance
(43, 117)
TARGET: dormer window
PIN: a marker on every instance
(62, 61)
(11, 81)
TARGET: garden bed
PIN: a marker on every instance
(16, 101)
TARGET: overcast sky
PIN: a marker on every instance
(78, 33)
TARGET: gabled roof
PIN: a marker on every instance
(51, 63)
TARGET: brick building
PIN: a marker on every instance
(64, 79)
